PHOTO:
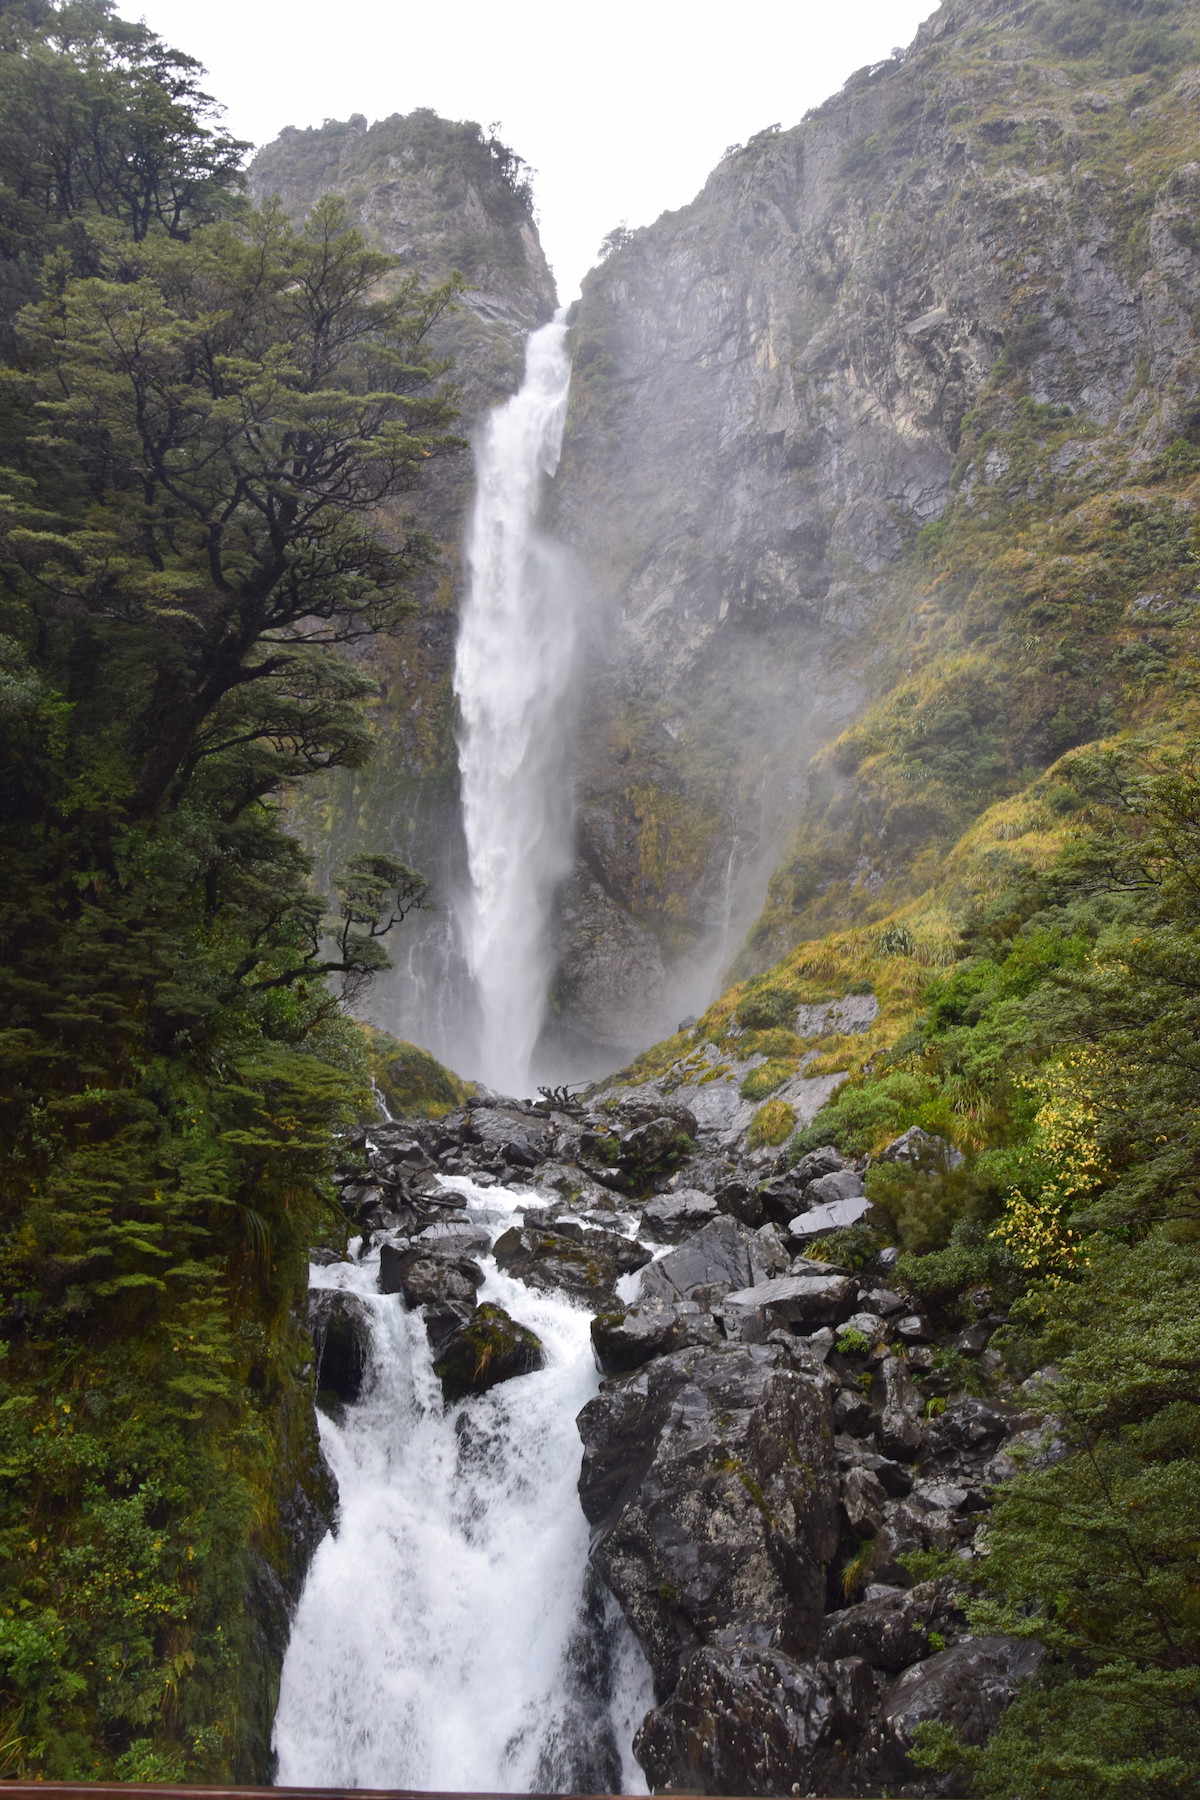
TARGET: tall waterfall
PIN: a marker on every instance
(513, 676)
(447, 1638)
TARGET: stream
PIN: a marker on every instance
(449, 1636)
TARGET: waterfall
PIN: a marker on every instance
(513, 674)
(448, 1637)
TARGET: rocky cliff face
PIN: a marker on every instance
(966, 284)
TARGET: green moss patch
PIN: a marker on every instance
(413, 1083)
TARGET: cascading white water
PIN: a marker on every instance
(513, 675)
(446, 1637)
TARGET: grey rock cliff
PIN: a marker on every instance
(769, 401)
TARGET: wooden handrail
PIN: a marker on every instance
(152, 1790)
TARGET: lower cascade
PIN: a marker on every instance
(449, 1635)
(731, 1566)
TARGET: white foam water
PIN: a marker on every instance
(448, 1636)
(514, 669)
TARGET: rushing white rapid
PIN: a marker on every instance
(513, 676)
(447, 1638)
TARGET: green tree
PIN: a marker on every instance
(211, 424)
(99, 119)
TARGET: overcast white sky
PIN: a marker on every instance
(622, 108)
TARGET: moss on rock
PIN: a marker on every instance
(413, 1083)
(490, 1349)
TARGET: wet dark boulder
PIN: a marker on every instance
(342, 1344)
(454, 1235)
(900, 1430)
(490, 1348)
(588, 1263)
(804, 1302)
(708, 1477)
(779, 1198)
(636, 1137)
(506, 1135)
(817, 1163)
(738, 1197)
(967, 1427)
(714, 1260)
(426, 1280)
(669, 1217)
(748, 1721)
(967, 1687)
(625, 1338)
(892, 1628)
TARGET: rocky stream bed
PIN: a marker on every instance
(774, 1458)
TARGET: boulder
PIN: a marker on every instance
(708, 1479)
(455, 1238)
(1037, 1447)
(921, 1150)
(624, 1340)
(912, 1328)
(867, 1325)
(341, 1330)
(770, 1254)
(838, 1215)
(897, 1481)
(780, 1198)
(966, 1687)
(588, 1263)
(841, 1184)
(891, 1629)
(817, 1163)
(426, 1280)
(751, 1721)
(717, 1257)
(863, 1502)
(505, 1133)
(806, 1301)
(488, 1349)
(857, 1012)
(967, 1427)
(669, 1217)
(740, 1199)
(443, 1318)
(883, 1300)
(654, 1145)
(630, 1107)
(900, 1424)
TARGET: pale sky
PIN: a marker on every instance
(622, 109)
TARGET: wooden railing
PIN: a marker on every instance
(130, 1790)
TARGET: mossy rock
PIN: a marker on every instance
(490, 1349)
(414, 1084)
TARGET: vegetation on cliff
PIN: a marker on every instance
(204, 411)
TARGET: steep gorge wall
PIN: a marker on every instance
(957, 301)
